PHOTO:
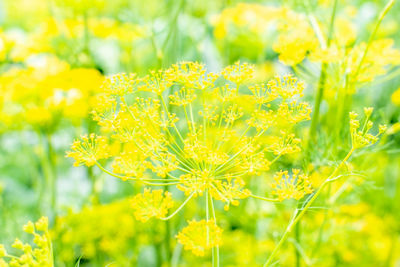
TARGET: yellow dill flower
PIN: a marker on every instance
(152, 203)
(192, 147)
(291, 186)
(96, 231)
(90, 149)
(191, 129)
(130, 163)
(284, 144)
(362, 137)
(195, 183)
(200, 236)
(41, 255)
(238, 73)
(230, 191)
(380, 55)
(293, 43)
(119, 84)
(45, 95)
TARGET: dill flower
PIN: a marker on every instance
(199, 236)
(107, 230)
(291, 186)
(89, 150)
(360, 136)
(42, 96)
(189, 128)
(152, 203)
(41, 255)
(295, 39)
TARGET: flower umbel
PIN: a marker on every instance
(361, 137)
(39, 256)
(189, 128)
(291, 186)
(89, 150)
(152, 204)
(200, 236)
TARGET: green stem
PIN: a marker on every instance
(298, 215)
(265, 198)
(385, 10)
(48, 164)
(317, 104)
(167, 243)
(215, 250)
(178, 209)
(297, 239)
(321, 83)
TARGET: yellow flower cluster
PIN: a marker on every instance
(40, 256)
(106, 230)
(151, 204)
(253, 25)
(43, 95)
(89, 150)
(296, 38)
(200, 236)
(361, 137)
(291, 186)
(192, 129)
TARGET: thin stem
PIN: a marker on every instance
(385, 10)
(47, 234)
(297, 216)
(173, 181)
(265, 198)
(175, 255)
(215, 250)
(317, 30)
(321, 83)
(178, 209)
(297, 242)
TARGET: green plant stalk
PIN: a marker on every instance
(383, 13)
(215, 250)
(47, 162)
(53, 177)
(346, 97)
(297, 238)
(298, 215)
(167, 241)
(321, 83)
(173, 30)
(321, 229)
(95, 196)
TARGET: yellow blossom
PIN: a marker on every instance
(152, 203)
(38, 256)
(200, 236)
(362, 137)
(291, 186)
(89, 150)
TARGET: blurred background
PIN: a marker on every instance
(54, 55)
